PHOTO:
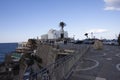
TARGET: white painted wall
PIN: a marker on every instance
(54, 34)
(45, 36)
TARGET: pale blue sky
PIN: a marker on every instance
(24, 19)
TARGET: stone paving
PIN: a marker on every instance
(108, 65)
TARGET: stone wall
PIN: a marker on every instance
(47, 53)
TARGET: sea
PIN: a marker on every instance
(6, 48)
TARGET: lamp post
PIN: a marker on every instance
(91, 34)
(74, 37)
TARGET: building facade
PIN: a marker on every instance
(54, 34)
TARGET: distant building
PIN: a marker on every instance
(54, 34)
(22, 47)
(44, 36)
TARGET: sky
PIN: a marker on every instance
(24, 19)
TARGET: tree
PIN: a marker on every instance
(86, 34)
(119, 39)
(32, 43)
(62, 25)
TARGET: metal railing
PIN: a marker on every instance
(61, 69)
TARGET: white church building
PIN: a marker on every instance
(54, 34)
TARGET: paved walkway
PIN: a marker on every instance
(99, 65)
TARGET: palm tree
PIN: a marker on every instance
(62, 25)
(86, 34)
